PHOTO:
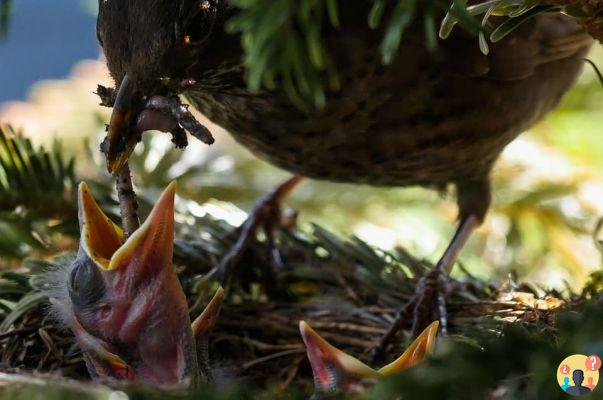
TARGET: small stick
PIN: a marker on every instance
(128, 206)
(272, 357)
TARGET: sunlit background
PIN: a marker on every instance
(548, 184)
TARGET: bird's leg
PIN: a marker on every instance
(429, 302)
(430, 299)
(265, 213)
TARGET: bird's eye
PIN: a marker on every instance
(200, 25)
(86, 286)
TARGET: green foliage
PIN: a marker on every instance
(510, 25)
(596, 69)
(282, 40)
(401, 16)
(517, 12)
(518, 361)
(284, 44)
(5, 10)
(36, 193)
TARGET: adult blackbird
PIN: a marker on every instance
(431, 118)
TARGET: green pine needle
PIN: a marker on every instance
(36, 186)
(5, 11)
(283, 41)
(596, 69)
(510, 25)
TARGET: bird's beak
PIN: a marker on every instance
(206, 321)
(99, 358)
(105, 243)
(420, 348)
(122, 135)
(334, 369)
(150, 248)
(146, 310)
(100, 237)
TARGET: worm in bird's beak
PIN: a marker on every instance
(129, 312)
(135, 112)
(336, 370)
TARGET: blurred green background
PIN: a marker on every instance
(548, 189)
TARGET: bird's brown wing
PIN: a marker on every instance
(544, 39)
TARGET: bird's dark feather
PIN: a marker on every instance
(56, 290)
(428, 119)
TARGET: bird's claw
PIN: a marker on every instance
(428, 304)
(266, 214)
(430, 301)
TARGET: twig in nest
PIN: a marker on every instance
(128, 206)
(270, 357)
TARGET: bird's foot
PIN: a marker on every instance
(428, 304)
(265, 214)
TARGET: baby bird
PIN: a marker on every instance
(336, 371)
(122, 300)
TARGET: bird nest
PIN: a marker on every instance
(346, 289)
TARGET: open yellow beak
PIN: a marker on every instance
(321, 353)
(204, 324)
(106, 244)
(96, 353)
(100, 237)
(420, 348)
(333, 369)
